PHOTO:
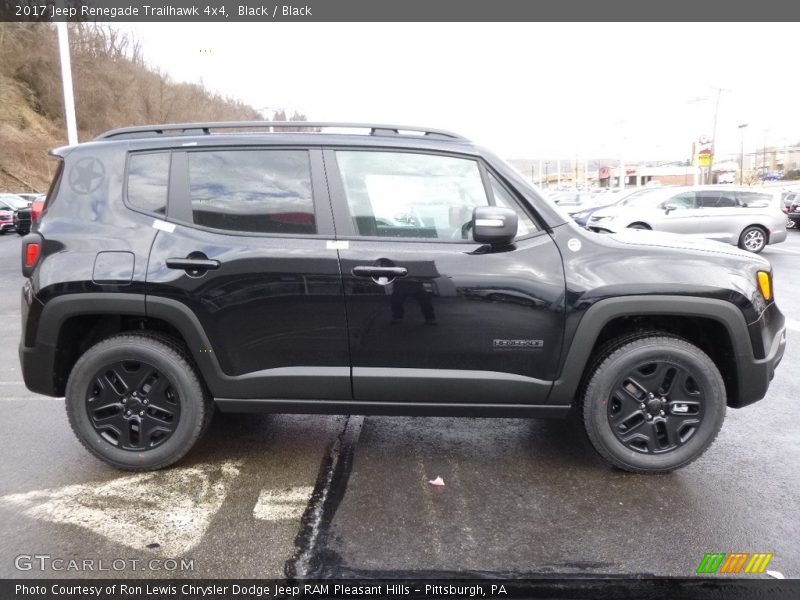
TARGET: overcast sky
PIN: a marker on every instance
(525, 90)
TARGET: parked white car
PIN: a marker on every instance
(747, 217)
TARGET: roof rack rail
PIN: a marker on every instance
(206, 129)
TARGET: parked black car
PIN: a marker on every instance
(792, 204)
(175, 268)
(22, 221)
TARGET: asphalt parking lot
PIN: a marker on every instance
(276, 495)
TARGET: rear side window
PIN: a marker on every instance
(257, 191)
(148, 181)
(754, 199)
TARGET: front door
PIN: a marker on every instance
(248, 255)
(434, 316)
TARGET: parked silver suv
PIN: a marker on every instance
(750, 218)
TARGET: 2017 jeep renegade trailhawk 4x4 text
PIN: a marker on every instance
(387, 270)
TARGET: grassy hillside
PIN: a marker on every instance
(113, 88)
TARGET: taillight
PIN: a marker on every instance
(31, 252)
(36, 210)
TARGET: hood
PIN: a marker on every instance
(659, 239)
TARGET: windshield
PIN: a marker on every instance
(645, 200)
(13, 201)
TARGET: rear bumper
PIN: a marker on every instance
(777, 236)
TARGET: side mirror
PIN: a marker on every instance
(669, 208)
(494, 225)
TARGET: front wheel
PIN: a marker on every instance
(753, 239)
(136, 401)
(639, 226)
(654, 404)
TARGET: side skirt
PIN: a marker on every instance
(412, 409)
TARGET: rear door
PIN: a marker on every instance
(245, 256)
(721, 210)
(434, 316)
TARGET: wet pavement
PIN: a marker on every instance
(275, 495)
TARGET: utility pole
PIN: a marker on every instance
(714, 136)
(741, 153)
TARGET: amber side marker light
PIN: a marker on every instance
(765, 285)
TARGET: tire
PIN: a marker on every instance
(135, 400)
(662, 436)
(753, 239)
(639, 226)
(21, 233)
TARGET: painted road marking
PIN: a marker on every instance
(280, 505)
(172, 508)
(784, 250)
(793, 324)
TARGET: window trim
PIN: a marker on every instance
(179, 209)
(341, 208)
(127, 202)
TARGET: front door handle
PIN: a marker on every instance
(193, 265)
(379, 272)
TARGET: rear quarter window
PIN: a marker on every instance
(148, 182)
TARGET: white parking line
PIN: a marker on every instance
(784, 250)
(170, 508)
(280, 505)
(793, 324)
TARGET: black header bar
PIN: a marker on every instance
(179, 11)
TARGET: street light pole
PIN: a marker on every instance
(66, 82)
(741, 153)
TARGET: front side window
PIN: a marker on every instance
(403, 194)
(148, 180)
(397, 194)
(685, 200)
(258, 191)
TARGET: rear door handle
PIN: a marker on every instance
(376, 272)
(193, 264)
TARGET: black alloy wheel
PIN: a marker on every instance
(656, 407)
(132, 405)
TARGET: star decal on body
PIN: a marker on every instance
(87, 175)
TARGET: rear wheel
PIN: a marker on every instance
(653, 404)
(753, 239)
(136, 401)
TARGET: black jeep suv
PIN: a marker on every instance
(370, 269)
